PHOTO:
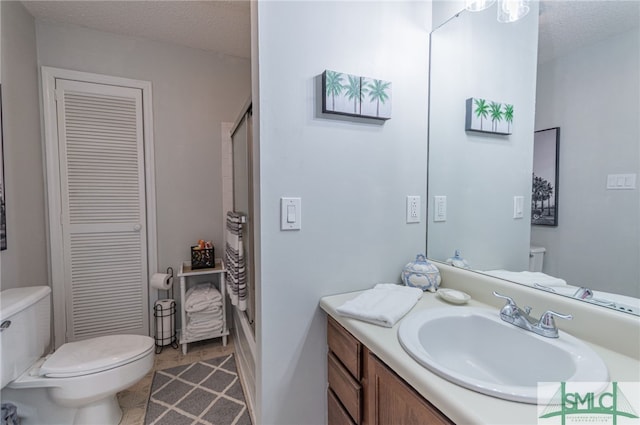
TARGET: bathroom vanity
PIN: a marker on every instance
(363, 390)
(372, 379)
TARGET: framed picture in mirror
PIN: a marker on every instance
(3, 216)
(544, 191)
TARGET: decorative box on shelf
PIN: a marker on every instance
(202, 258)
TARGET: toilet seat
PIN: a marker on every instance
(95, 355)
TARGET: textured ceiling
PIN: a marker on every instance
(221, 26)
(566, 25)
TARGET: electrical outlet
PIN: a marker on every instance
(413, 209)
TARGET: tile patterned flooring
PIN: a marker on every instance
(133, 400)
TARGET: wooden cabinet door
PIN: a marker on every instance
(389, 400)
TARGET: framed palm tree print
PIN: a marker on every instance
(544, 189)
(352, 95)
(488, 116)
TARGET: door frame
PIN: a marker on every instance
(52, 185)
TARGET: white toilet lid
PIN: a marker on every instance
(96, 355)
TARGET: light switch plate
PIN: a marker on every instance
(621, 181)
(518, 206)
(290, 213)
(439, 208)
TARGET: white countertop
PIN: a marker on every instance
(461, 405)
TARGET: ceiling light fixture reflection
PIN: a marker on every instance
(478, 5)
(512, 10)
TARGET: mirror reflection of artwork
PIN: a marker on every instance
(544, 191)
(3, 215)
(487, 116)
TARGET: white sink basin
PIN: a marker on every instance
(474, 348)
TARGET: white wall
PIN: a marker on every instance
(476, 56)
(593, 96)
(24, 262)
(353, 177)
(194, 91)
(444, 10)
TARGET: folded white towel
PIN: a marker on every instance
(383, 305)
(197, 334)
(201, 296)
(527, 278)
(213, 308)
(204, 322)
(197, 317)
(203, 326)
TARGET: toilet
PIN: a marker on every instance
(536, 258)
(78, 382)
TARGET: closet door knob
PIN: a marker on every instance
(137, 227)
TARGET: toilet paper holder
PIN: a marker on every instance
(170, 273)
(164, 312)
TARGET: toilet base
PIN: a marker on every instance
(35, 407)
(105, 411)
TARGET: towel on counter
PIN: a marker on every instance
(383, 305)
(527, 278)
(201, 296)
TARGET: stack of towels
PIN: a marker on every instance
(203, 304)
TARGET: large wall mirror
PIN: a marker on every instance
(573, 65)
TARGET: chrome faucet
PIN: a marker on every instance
(545, 326)
(583, 293)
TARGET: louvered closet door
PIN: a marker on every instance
(103, 209)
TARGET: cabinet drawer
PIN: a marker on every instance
(347, 389)
(344, 346)
(337, 414)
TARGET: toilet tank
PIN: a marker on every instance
(25, 316)
(536, 258)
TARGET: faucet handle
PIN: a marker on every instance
(548, 323)
(510, 306)
(509, 299)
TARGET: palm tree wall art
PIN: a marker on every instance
(352, 95)
(378, 102)
(544, 187)
(487, 116)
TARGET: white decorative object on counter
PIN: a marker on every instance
(421, 274)
(453, 296)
